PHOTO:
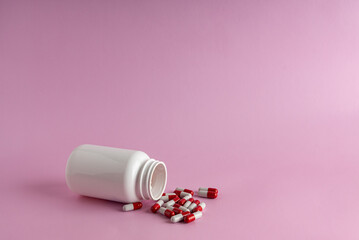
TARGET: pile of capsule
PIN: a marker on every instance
(179, 205)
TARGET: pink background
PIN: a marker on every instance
(257, 98)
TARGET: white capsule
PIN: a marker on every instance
(202, 194)
(162, 210)
(197, 215)
(192, 206)
(184, 209)
(192, 217)
(169, 203)
(165, 198)
(128, 207)
(168, 194)
(132, 206)
(203, 205)
(179, 217)
(187, 197)
(185, 194)
(187, 204)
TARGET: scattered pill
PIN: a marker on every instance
(181, 207)
(193, 205)
(189, 201)
(191, 217)
(185, 190)
(200, 207)
(132, 206)
(208, 189)
(175, 210)
(182, 194)
(167, 194)
(179, 217)
(207, 194)
(157, 206)
(168, 197)
(166, 212)
(182, 201)
(171, 202)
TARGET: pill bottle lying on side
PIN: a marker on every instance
(115, 174)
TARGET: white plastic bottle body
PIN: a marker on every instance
(115, 174)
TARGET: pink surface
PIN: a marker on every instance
(257, 98)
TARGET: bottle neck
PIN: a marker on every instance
(152, 179)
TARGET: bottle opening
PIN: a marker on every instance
(158, 180)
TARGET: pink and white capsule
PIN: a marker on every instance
(132, 206)
(186, 204)
(179, 217)
(193, 205)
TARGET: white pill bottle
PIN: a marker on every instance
(115, 174)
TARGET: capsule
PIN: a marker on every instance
(182, 194)
(207, 194)
(189, 201)
(171, 202)
(132, 206)
(168, 197)
(181, 207)
(208, 189)
(200, 207)
(193, 205)
(184, 199)
(191, 217)
(179, 217)
(175, 210)
(157, 206)
(185, 190)
(166, 212)
(167, 194)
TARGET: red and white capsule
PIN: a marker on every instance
(183, 200)
(175, 210)
(166, 212)
(189, 201)
(157, 206)
(191, 217)
(181, 207)
(182, 194)
(200, 207)
(185, 190)
(207, 194)
(132, 206)
(193, 205)
(167, 194)
(168, 197)
(179, 217)
(208, 189)
(171, 202)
